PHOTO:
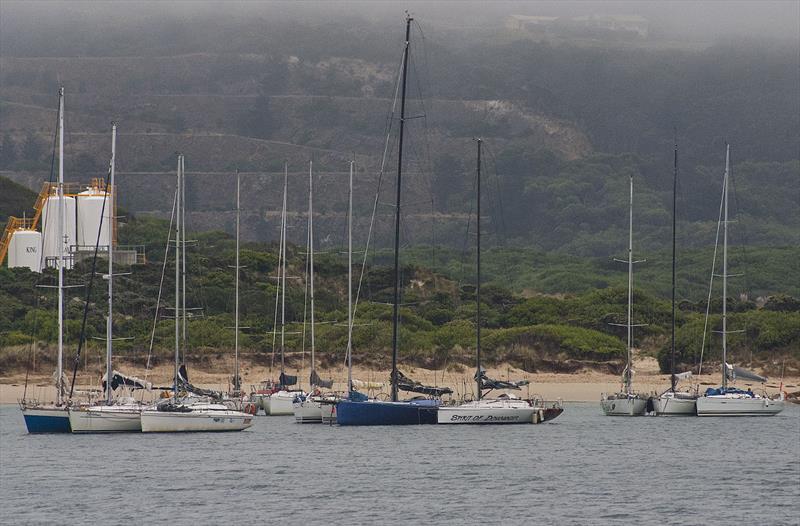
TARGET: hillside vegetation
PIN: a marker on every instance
(536, 333)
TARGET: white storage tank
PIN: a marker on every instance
(25, 250)
(49, 222)
(90, 213)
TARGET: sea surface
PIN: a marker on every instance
(583, 468)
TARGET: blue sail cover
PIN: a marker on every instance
(319, 382)
(287, 380)
(717, 391)
(183, 384)
(404, 383)
(489, 383)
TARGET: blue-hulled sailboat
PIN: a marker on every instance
(357, 409)
(54, 418)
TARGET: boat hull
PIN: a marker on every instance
(154, 421)
(307, 412)
(675, 406)
(46, 419)
(624, 406)
(730, 406)
(280, 403)
(375, 413)
(110, 419)
(328, 412)
(464, 414)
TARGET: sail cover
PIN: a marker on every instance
(183, 383)
(360, 384)
(683, 376)
(287, 380)
(737, 372)
(405, 383)
(489, 383)
(118, 379)
(319, 382)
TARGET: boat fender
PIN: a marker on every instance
(541, 416)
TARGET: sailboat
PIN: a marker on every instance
(725, 400)
(123, 414)
(357, 410)
(54, 418)
(307, 408)
(198, 411)
(280, 400)
(627, 402)
(505, 409)
(672, 402)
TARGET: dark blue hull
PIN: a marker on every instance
(350, 413)
(47, 420)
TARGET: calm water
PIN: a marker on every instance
(583, 468)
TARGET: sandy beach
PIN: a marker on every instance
(586, 386)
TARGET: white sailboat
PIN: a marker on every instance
(627, 402)
(281, 401)
(672, 402)
(307, 409)
(183, 414)
(54, 418)
(328, 403)
(506, 408)
(725, 400)
(124, 414)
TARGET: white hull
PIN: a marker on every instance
(154, 421)
(328, 412)
(722, 405)
(106, 419)
(307, 412)
(490, 412)
(624, 406)
(260, 401)
(280, 403)
(667, 405)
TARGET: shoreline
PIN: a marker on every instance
(585, 386)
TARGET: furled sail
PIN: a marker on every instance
(405, 383)
(287, 380)
(360, 384)
(319, 382)
(489, 383)
(737, 372)
(118, 379)
(185, 385)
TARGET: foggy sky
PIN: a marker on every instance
(701, 21)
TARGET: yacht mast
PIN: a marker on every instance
(236, 379)
(109, 323)
(725, 272)
(350, 282)
(283, 269)
(177, 274)
(183, 257)
(629, 372)
(478, 284)
(674, 214)
(61, 220)
(396, 308)
(311, 257)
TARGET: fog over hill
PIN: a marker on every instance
(571, 98)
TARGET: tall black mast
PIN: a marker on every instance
(478, 284)
(674, 209)
(396, 310)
